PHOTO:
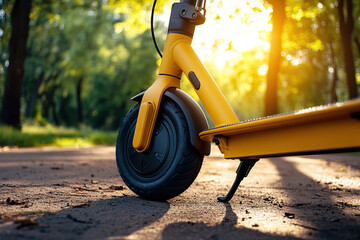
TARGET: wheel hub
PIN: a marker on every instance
(152, 160)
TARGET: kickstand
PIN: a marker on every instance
(242, 172)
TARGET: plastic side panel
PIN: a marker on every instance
(334, 135)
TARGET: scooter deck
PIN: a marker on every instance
(330, 128)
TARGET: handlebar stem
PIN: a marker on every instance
(191, 2)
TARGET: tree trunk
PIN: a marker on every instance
(64, 112)
(10, 114)
(54, 112)
(335, 74)
(34, 94)
(346, 30)
(357, 42)
(79, 101)
(278, 18)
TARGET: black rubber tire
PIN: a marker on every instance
(171, 163)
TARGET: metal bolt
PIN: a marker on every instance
(216, 141)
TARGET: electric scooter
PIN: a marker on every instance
(163, 139)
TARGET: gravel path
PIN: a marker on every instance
(69, 193)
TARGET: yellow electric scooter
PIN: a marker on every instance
(163, 139)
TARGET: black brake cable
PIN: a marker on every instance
(152, 29)
(152, 25)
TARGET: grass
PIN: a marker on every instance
(49, 135)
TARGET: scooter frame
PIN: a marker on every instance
(323, 129)
(179, 57)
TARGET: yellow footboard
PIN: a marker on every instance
(330, 128)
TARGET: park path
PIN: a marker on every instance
(76, 193)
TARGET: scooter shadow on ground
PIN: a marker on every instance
(225, 230)
(346, 159)
(322, 210)
(315, 211)
(118, 217)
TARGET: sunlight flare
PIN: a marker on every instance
(231, 28)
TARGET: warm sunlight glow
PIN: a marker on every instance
(262, 70)
(232, 27)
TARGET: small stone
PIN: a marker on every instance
(112, 187)
(10, 201)
(289, 215)
(55, 168)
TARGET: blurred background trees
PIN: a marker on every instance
(10, 113)
(85, 59)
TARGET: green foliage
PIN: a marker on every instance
(305, 78)
(89, 55)
(133, 69)
(98, 54)
(49, 135)
(312, 56)
(244, 84)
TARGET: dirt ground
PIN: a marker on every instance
(77, 193)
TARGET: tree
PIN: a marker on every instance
(311, 72)
(10, 113)
(346, 21)
(42, 63)
(278, 19)
(97, 56)
(5, 32)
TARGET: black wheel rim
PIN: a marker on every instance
(153, 163)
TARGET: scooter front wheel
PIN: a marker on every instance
(170, 164)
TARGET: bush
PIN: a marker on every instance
(49, 135)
